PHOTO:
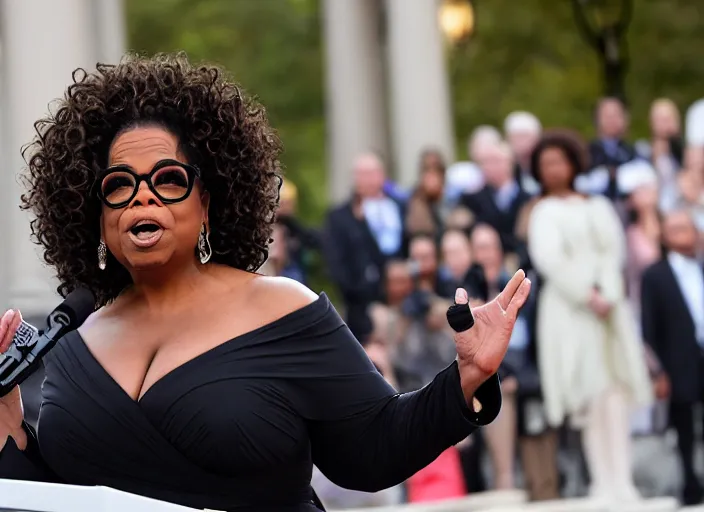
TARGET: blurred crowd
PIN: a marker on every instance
(608, 351)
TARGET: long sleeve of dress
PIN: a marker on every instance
(29, 464)
(609, 234)
(364, 435)
(572, 276)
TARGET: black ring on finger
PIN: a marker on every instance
(460, 317)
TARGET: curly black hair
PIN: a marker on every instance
(571, 145)
(220, 129)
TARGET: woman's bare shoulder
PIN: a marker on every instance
(279, 295)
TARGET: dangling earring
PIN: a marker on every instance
(204, 249)
(102, 255)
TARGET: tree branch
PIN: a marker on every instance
(626, 16)
(590, 33)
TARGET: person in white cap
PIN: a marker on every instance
(694, 124)
(522, 131)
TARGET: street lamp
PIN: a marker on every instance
(603, 24)
(456, 19)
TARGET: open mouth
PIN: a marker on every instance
(146, 232)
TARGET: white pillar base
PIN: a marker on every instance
(419, 92)
(36, 68)
(356, 115)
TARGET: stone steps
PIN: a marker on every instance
(515, 501)
(473, 503)
(588, 505)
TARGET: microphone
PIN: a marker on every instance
(29, 346)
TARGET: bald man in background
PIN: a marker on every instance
(498, 203)
(672, 316)
(522, 131)
(360, 237)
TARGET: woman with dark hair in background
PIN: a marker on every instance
(425, 210)
(591, 360)
(154, 184)
(665, 148)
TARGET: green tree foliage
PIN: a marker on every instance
(525, 54)
(529, 55)
(272, 48)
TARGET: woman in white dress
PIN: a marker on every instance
(591, 360)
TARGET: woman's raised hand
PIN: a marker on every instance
(481, 349)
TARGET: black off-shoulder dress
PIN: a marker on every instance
(239, 427)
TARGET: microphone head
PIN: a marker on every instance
(78, 305)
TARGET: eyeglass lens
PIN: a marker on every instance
(170, 183)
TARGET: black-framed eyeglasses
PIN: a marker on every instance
(170, 180)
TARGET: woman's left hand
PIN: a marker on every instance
(481, 349)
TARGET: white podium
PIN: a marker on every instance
(21, 496)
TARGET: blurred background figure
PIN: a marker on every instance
(426, 210)
(672, 317)
(387, 317)
(500, 200)
(466, 177)
(639, 183)
(665, 148)
(610, 149)
(522, 420)
(501, 435)
(457, 263)
(428, 344)
(522, 131)
(576, 245)
(301, 242)
(360, 236)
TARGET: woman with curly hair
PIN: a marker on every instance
(592, 363)
(198, 381)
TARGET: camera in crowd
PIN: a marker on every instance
(417, 304)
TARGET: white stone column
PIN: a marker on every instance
(110, 31)
(356, 116)
(4, 211)
(43, 41)
(419, 89)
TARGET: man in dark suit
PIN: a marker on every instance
(360, 236)
(672, 303)
(522, 131)
(610, 149)
(499, 202)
